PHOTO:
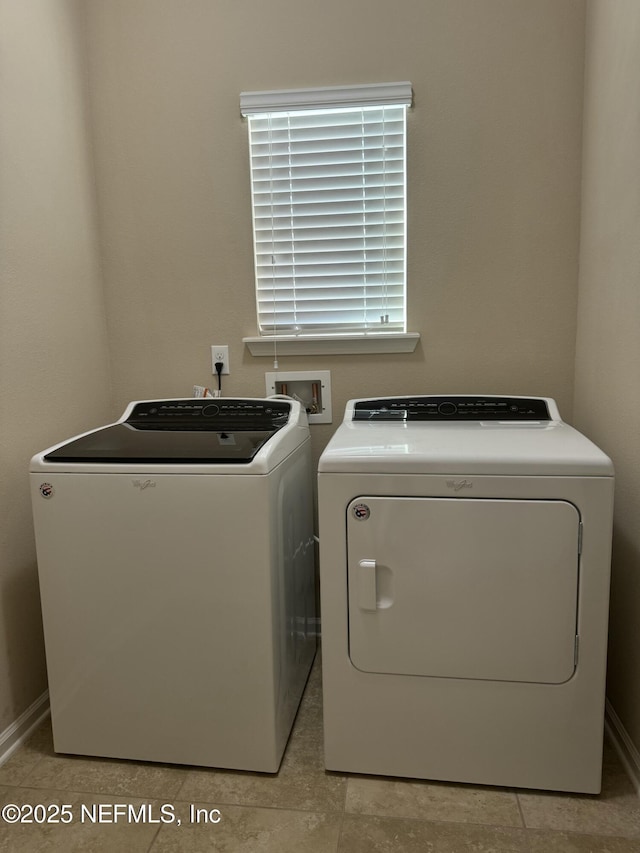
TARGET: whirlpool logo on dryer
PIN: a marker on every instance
(144, 484)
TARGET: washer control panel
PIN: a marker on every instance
(452, 408)
(208, 413)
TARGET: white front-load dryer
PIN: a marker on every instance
(464, 563)
(176, 564)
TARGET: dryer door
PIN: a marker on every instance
(459, 588)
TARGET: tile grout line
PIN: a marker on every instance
(23, 783)
(520, 809)
(527, 834)
(154, 839)
(340, 831)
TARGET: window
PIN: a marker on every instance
(328, 182)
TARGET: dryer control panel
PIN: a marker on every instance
(452, 408)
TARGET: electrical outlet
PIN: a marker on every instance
(220, 352)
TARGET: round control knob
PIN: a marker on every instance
(210, 411)
(447, 408)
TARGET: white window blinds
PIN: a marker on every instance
(329, 208)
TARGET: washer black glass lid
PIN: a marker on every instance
(178, 431)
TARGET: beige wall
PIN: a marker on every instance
(494, 202)
(607, 405)
(53, 357)
(494, 163)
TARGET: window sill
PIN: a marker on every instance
(332, 344)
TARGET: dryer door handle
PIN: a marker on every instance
(367, 592)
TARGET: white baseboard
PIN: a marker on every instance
(15, 734)
(623, 745)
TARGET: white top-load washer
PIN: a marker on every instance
(176, 564)
(464, 564)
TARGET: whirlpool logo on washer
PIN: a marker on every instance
(457, 485)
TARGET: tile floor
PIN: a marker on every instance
(301, 810)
